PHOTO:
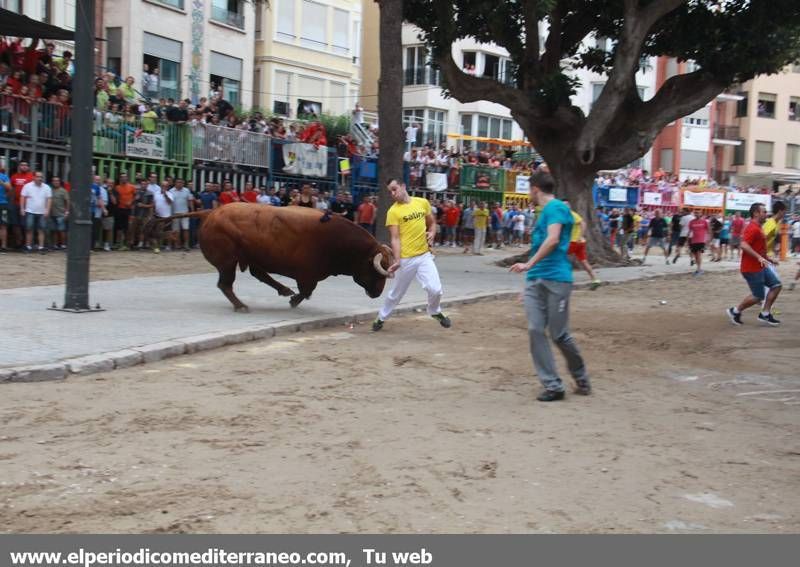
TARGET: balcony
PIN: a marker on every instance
(422, 76)
(228, 17)
(732, 93)
(726, 135)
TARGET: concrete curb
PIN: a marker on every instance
(126, 358)
(105, 362)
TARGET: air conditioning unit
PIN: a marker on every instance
(280, 107)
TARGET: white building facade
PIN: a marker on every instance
(196, 46)
(437, 116)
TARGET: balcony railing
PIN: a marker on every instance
(141, 137)
(220, 144)
(725, 132)
(41, 121)
(235, 19)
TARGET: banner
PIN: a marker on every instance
(140, 144)
(704, 199)
(742, 201)
(523, 184)
(436, 181)
(651, 199)
(305, 159)
(618, 195)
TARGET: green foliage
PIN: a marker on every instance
(335, 126)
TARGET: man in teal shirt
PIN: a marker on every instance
(547, 290)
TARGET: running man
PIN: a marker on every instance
(756, 270)
(577, 245)
(737, 227)
(698, 235)
(686, 218)
(547, 290)
(657, 233)
(412, 228)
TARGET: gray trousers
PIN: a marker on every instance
(547, 307)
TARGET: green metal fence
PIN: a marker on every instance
(142, 137)
(109, 166)
(482, 178)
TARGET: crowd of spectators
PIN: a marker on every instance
(637, 177)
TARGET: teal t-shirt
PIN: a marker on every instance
(556, 265)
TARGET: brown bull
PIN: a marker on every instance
(299, 243)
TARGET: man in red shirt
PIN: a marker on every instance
(737, 227)
(452, 214)
(229, 194)
(22, 177)
(249, 195)
(365, 215)
(698, 234)
(757, 270)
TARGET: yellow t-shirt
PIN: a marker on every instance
(770, 229)
(410, 220)
(576, 227)
(637, 221)
(480, 218)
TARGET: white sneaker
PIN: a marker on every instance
(107, 247)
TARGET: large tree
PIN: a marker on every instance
(729, 40)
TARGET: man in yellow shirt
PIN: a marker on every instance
(577, 245)
(412, 228)
(480, 219)
(772, 225)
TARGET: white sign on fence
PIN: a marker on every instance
(523, 184)
(141, 144)
(618, 195)
(436, 181)
(704, 199)
(651, 198)
(305, 159)
(742, 201)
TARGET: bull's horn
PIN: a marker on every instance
(376, 262)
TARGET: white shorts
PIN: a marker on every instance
(715, 242)
(178, 224)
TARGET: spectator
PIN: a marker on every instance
(182, 202)
(365, 214)
(229, 194)
(59, 213)
(125, 196)
(35, 209)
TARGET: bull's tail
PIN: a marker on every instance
(155, 226)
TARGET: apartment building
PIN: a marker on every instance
(194, 46)
(308, 57)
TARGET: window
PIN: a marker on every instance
(341, 31)
(356, 42)
(12, 5)
(483, 126)
(672, 67)
(741, 106)
(470, 60)
(491, 66)
(308, 108)
(641, 91)
(494, 127)
(418, 70)
(229, 12)
(285, 29)
(47, 11)
(738, 155)
(507, 72)
(258, 24)
(766, 105)
(165, 56)
(667, 159)
(597, 89)
(226, 73)
(315, 24)
(694, 160)
(507, 129)
(764, 153)
(466, 124)
(793, 156)
(414, 116)
(644, 64)
(114, 51)
(604, 43)
(794, 108)
(174, 3)
(692, 66)
(435, 128)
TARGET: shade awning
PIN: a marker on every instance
(497, 141)
(17, 25)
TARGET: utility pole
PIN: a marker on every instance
(76, 297)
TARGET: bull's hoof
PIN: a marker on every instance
(295, 300)
(286, 292)
(242, 309)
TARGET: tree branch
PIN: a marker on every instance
(622, 79)
(531, 69)
(468, 88)
(552, 47)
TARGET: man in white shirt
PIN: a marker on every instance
(182, 202)
(684, 233)
(152, 184)
(162, 204)
(411, 135)
(35, 201)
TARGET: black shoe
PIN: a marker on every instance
(769, 320)
(550, 396)
(377, 325)
(443, 319)
(736, 318)
(583, 387)
(675, 259)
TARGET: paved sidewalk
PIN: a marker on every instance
(150, 318)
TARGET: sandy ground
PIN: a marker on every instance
(693, 426)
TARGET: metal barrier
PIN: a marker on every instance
(141, 137)
(39, 121)
(230, 145)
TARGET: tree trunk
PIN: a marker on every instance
(575, 183)
(390, 106)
